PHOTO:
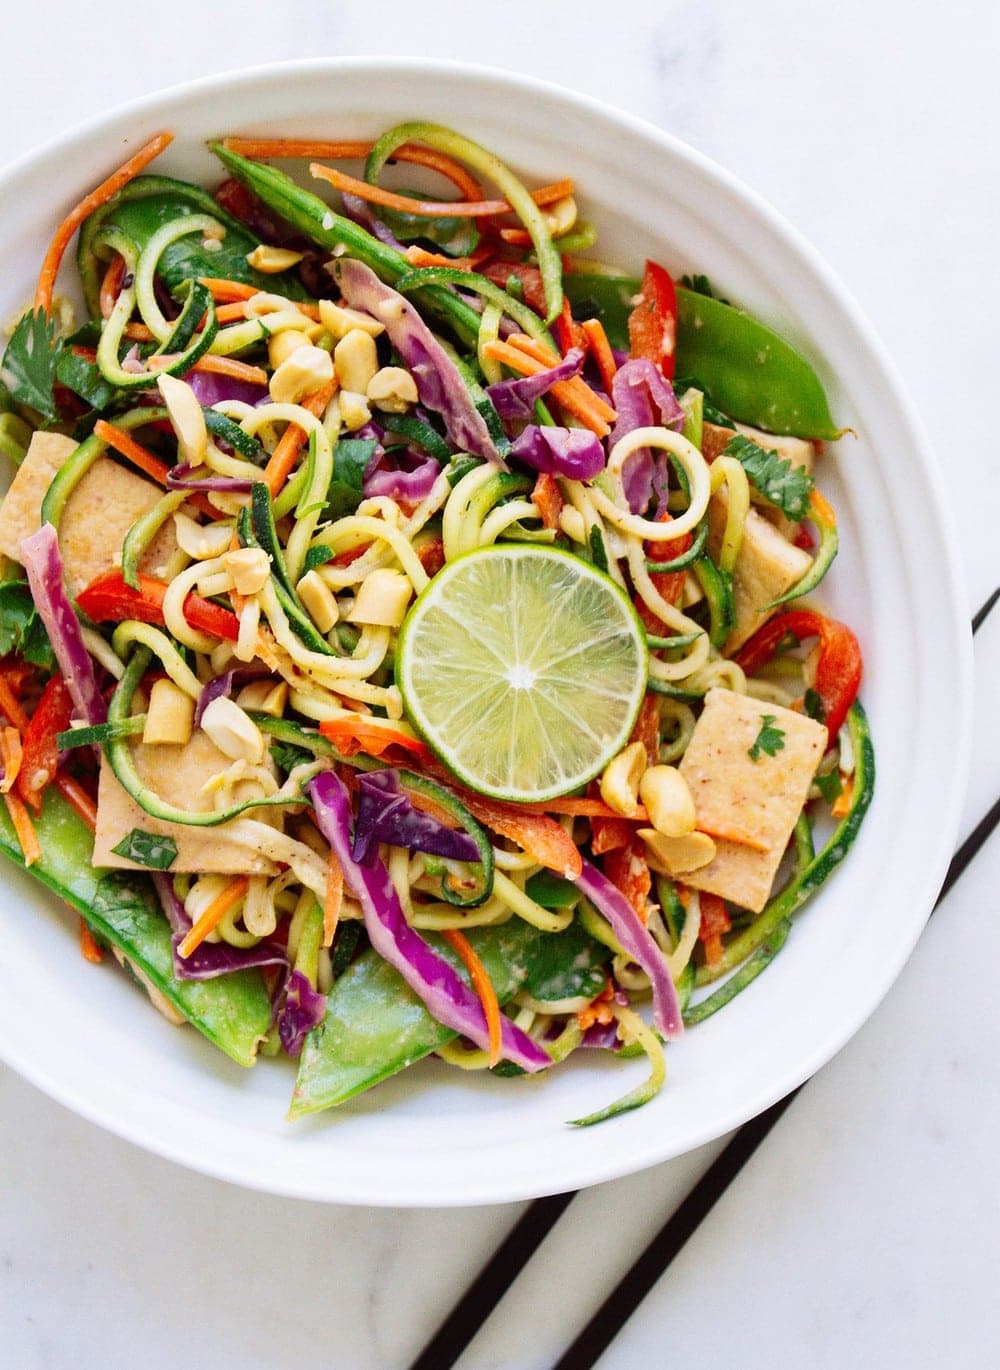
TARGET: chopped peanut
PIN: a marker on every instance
(620, 781)
(356, 360)
(170, 716)
(668, 801)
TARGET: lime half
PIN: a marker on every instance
(524, 668)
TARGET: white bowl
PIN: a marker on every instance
(434, 1135)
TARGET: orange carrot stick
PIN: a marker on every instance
(574, 395)
(354, 151)
(841, 806)
(111, 285)
(282, 460)
(214, 914)
(24, 829)
(96, 198)
(89, 949)
(541, 353)
(547, 499)
(334, 898)
(77, 797)
(227, 290)
(233, 367)
(483, 986)
(133, 451)
(433, 209)
(10, 706)
(11, 754)
(593, 331)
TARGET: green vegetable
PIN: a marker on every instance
(692, 401)
(471, 280)
(234, 436)
(747, 973)
(786, 486)
(743, 366)
(286, 756)
(147, 849)
(830, 786)
(345, 944)
(567, 965)
(684, 558)
(701, 285)
(232, 1011)
(144, 530)
(375, 1025)
(21, 630)
(351, 459)
(829, 546)
(454, 236)
(813, 705)
(15, 437)
(444, 799)
(552, 891)
(598, 552)
(28, 371)
(807, 880)
(99, 733)
(422, 434)
(718, 588)
(255, 527)
(84, 378)
(770, 739)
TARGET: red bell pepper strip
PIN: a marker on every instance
(715, 920)
(40, 754)
(652, 325)
(109, 600)
(838, 671)
(628, 870)
(568, 332)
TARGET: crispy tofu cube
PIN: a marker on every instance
(766, 567)
(178, 774)
(749, 806)
(98, 514)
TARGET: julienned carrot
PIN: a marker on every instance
(536, 833)
(126, 445)
(77, 797)
(432, 209)
(96, 198)
(232, 367)
(231, 894)
(352, 733)
(418, 256)
(228, 290)
(593, 331)
(542, 354)
(574, 396)
(10, 706)
(483, 986)
(547, 499)
(11, 755)
(354, 151)
(334, 898)
(111, 284)
(277, 470)
(841, 806)
(89, 949)
(23, 828)
(715, 920)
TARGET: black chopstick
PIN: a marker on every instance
(517, 1249)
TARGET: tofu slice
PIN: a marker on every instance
(755, 801)
(98, 514)
(178, 774)
(766, 567)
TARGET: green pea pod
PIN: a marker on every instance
(314, 217)
(743, 366)
(376, 1026)
(120, 907)
(142, 207)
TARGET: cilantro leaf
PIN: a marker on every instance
(84, 378)
(770, 739)
(286, 756)
(21, 630)
(351, 459)
(28, 371)
(781, 483)
(830, 786)
(147, 849)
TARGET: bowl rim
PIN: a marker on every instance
(240, 1169)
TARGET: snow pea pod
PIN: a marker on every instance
(121, 907)
(743, 366)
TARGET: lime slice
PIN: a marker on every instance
(524, 668)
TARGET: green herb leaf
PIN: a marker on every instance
(147, 849)
(287, 756)
(84, 378)
(782, 484)
(701, 285)
(598, 555)
(351, 459)
(813, 705)
(831, 787)
(770, 739)
(21, 630)
(552, 891)
(29, 364)
(567, 964)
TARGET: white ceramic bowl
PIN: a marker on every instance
(435, 1135)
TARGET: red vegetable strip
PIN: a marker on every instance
(52, 716)
(838, 671)
(628, 870)
(107, 599)
(96, 198)
(652, 325)
(547, 499)
(483, 986)
(78, 798)
(353, 734)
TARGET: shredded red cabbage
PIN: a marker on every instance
(41, 559)
(573, 452)
(211, 959)
(180, 478)
(303, 1009)
(515, 399)
(386, 814)
(357, 209)
(439, 384)
(443, 991)
(211, 389)
(410, 485)
(643, 398)
(637, 941)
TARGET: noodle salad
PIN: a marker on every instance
(407, 622)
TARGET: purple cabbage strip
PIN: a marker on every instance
(439, 384)
(211, 389)
(515, 399)
(180, 478)
(443, 991)
(412, 485)
(303, 1009)
(211, 959)
(643, 398)
(573, 452)
(637, 941)
(386, 814)
(43, 563)
(357, 209)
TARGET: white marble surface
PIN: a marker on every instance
(864, 1231)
